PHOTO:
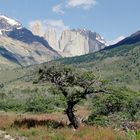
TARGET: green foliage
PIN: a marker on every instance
(120, 105)
(74, 84)
(34, 99)
(12, 105)
(38, 103)
(98, 120)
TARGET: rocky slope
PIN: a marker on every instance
(19, 46)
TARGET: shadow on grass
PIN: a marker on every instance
(30, 122)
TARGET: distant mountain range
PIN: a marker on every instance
(19, 46)
(73, 42)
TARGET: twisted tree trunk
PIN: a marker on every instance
(72, 118)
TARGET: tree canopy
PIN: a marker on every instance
(73, 83)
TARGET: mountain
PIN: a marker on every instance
(120, 64)
(80, 42)
(19, 46)
(132, 39)
(8, 24)
(72, 42)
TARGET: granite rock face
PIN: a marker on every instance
(51, 36)
(80, 42)
(74, 42)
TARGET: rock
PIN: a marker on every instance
(5, 136)
(75, 42)
(51, 36)
(80, 42)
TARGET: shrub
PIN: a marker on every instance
(118, 106)
(39, 103)
(12, 105)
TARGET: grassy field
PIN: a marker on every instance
(54, 127)
(120, 66)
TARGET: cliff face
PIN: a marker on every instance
(79, 42)
(75, 42)
(51, 36)
(72, 43)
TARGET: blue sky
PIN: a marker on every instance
(110, 18)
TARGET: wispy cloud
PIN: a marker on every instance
(39, 27)
(85, 4)
(58, 9)
(56, 24)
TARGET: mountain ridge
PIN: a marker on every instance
(71, 42)
(133, 38)
(20, 46)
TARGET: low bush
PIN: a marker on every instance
(38, 103)
(12, 105)
(118, 106)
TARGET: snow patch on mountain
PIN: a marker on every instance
(11, 21)
(8, 24)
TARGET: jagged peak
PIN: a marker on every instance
(87, 33)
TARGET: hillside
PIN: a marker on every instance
(18, 46)
(121, 65)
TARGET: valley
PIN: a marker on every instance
(67, 86)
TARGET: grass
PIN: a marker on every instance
(121, 66)
(41, 131)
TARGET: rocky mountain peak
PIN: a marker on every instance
(88, 34)
(8, 24)
(75, 42)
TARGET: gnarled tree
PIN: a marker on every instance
(74, 84)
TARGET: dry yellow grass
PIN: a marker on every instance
(42, 132)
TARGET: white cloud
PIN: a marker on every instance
(115, 41)
(39, 27)
(58, 9)
(85, 4)
(56, 24)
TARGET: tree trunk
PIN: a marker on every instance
(72, 118)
